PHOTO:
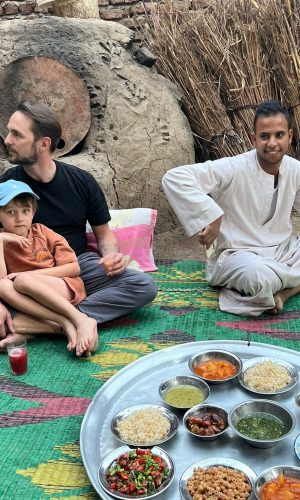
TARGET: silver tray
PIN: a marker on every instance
(138, 383)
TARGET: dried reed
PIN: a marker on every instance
(227, 57)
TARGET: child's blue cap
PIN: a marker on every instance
(10, 189)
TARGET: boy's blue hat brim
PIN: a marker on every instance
(11, 188)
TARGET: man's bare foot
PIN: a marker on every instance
(279, 302)
(11, 338)
(281, 297)
(71, 333)
(87, 336)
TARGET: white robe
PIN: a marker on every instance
(250, 243)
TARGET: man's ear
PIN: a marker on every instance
(253, 139)
(290, 135)
(45, 144)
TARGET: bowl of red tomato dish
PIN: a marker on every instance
(136, 473)
(215, 367)
(278, 482)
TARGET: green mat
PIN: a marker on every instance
(41, 412)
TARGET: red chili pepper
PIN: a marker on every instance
(131, 487)
(124, 476)
(143, 452)
(155, 473)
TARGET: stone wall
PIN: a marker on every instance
(127, 12)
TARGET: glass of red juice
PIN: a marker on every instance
(17, 355)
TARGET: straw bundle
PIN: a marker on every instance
(227, 57)
(280, 21)
(172, 36)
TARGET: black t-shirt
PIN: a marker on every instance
(67, 202)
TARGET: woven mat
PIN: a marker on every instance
(41, 412)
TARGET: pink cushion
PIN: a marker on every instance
(135, 238)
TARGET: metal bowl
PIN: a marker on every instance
(217, 354)
(272, 473)
(112, 456)
(183, 380)
(297, 446)
(198, 411)
(212, 462)
(121, 415)
(247, 408)
(254, 361)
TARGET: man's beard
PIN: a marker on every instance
(24, 160)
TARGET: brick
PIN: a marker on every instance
(26, 8)
(122, 2)
(102, 3)
(114, 14)
(140, 8)
(1, 11)
(11, 9)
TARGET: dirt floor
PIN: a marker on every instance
(175, 245)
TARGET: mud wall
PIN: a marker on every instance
(127, 12)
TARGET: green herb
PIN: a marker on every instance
(261, 426)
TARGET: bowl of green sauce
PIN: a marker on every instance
(261, 423)
(184, 392)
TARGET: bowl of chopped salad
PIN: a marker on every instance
(136, 473)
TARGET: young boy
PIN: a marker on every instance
(39, 272)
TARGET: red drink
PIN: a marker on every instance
(18, 360)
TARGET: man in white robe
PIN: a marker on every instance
(242, 205)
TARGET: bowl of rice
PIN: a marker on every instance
(268, 376)
(144, 425)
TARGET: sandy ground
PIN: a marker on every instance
(175, 245)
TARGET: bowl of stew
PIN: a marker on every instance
(261, 423)
(215, 367)
(278, 482)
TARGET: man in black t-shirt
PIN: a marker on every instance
(69, 197)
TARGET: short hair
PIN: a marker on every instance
(25, 200)
(44, 122)
(271, 108)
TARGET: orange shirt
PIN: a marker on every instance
(48, 249)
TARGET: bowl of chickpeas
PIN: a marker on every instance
(230, 478)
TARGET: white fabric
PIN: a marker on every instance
(273, 205)
(242, 192)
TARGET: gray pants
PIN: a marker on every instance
(111, 297)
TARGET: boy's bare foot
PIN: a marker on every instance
(11, 338)
(87, 336)
(70, 331)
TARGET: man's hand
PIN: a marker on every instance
(5, 318)
(114, 263)
(208, 235)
